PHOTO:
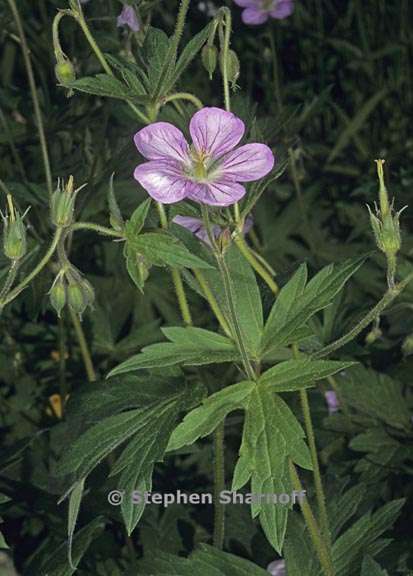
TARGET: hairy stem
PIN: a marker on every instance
(258, 267)
(387, 299)
(212, 301)
(84, 348)
(51, 250)
(33, 91)
(10, 278)
(96, 228)
(219, 486)
(313, 528)
(184, 96)
(225, 50)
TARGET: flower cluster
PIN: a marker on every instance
(258, 11)
(209, 171)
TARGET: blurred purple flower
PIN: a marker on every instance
(332, 401)
(196, 226)
(210, 170)
(129, 18)
(258, 11)
(277, 568)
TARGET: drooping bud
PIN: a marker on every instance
(231, 62)
(57, 293)
(80, 294)
(63, 203)
(65, 72)
(14, 233)
(374, 334)
(209, 57)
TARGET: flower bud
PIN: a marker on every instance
(232, 65)
(57, 294)
(373, 335)
(209, 58)
(65, 72)
(80, 295)
(14, 233)
(62, 203)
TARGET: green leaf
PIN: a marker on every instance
(74, 507)
(132, 74)
(377, 395)
(164, 249)
(204, 419)
(137, 220)
(155, 52)
(205, 561)
(298, 301)
(56, 564)
(187, 55)
(191, 347)
(343, 508)
(300, 373)
(131, 510)
(297, 540)
(271, 436)
(3, 543)
(106, 86)
(371, 568)
(362, 538)
(246, 295)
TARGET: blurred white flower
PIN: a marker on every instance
(208, 8)
(277, 568)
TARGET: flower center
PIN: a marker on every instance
(268, 4)
(202, 168)
(199, 169)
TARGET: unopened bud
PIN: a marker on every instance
(57, 294)
(14, 233)
(232, 65)
(209, 58)
(224, 240)
(65, 72)
(80, 295)
(63, 204)
(407, 346)
(373, 335)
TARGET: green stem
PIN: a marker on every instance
(387, 299)
(311, 522)
(258, 267)
(275, 71)
(184, 96)
(33, 91)
(212, 301)
(84, 349)
(318, 484)
(225, 50)
(62, 363)
(180, 293)
(219, 486)
(96, 228)
(16, 291)
(10, 278)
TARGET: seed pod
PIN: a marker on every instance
(209, 57)
(62, 204)
(57, 294)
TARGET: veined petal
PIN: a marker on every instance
(163, 181)
(222, 192)
(215, 131)
(188, 222)
(162, 141)
(246, 163)
(254, 16)
(283, 9)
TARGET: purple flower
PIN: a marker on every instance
(332, 401)
(196, 226)
(258, 11)
(207, 172)
(129, 18)
(277, 568)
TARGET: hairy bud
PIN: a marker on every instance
(65, 72)
(80, 295)
(209, 58)
(232, 65)
(14, 233)
(57, 293)
(63, 204)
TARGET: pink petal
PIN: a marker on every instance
(283, 9)
(249, 162)
(163, 181)
(215, 131)
(222, 192)
(162, 141)
(254, 16)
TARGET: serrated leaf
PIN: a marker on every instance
(74, 507)
(106, 86)
(155, 51)
(203, 420)
(300, 373)
(164, 249)
(137, 220)
(298, 301)
(271, 437)
(205, 561)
